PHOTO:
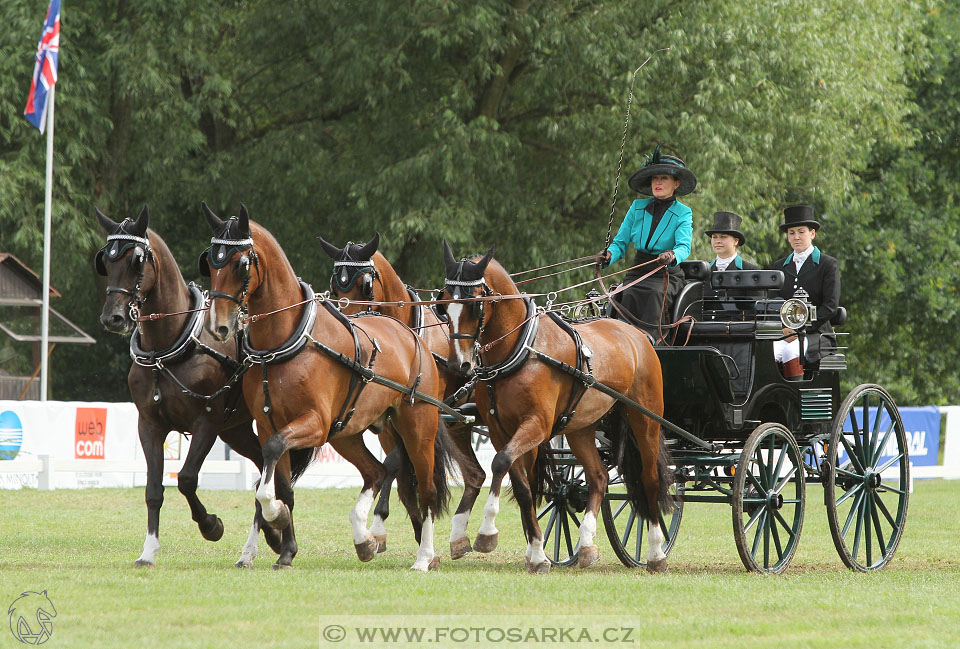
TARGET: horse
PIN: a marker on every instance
(361, 272)
(501, 338)
(324, 378)
(181, 378)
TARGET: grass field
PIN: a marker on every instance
(80, 546)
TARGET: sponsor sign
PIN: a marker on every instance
(90, 436)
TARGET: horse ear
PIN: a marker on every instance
(212, 219)
(482, 264)
(329, 248)
(448, 261)
(244, 219)
(367, 251)
(106, 222)
(143, 220)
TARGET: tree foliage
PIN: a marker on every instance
(491, 122)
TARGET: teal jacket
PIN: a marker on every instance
(674, 232)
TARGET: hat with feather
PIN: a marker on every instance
(657, 164)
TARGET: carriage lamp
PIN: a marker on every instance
(794, 313)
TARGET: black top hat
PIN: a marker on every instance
(659, 164)
(797, 215)
(727, 223)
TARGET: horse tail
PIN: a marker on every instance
(544, 472)
(629, 463)
(300, 460)
(444, 454)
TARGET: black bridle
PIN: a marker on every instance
(142, 253)
(460, 289)
(225, 249)
(347, 271)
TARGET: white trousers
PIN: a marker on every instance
(784, 351)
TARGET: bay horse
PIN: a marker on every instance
(322, 379)
(361, 272)
(181, 376)
(524, 401)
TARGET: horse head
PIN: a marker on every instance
(123, 261)
(229, 262)
(465, 280)
(354, 271)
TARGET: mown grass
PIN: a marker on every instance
(80, 547)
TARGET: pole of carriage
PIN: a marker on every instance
(47, 217)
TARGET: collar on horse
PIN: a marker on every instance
(520, 352)
(294, 344)
(117, 245)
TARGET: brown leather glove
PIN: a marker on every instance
(666, 258)
(603, 258)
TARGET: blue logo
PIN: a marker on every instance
(31, 617)
(11, 435)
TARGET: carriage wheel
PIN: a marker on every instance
(866, 494)
(559, 519)
(768, 499)
(625, 528)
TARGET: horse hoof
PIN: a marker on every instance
(282, 521)
(460, 548)
(485, 542)
(381, 543)
(140, 563)
(588, 556)
(537, 568)
(244, 563)
(215, 533)
(434, 563)
(281, 566)
(660, 565)
(366, 550)
(273, 538)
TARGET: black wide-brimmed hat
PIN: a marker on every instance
(658, 164)
(727, 223)
(797, 215)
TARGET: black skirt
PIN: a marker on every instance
(644, 300)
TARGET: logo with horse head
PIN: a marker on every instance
(31, 617)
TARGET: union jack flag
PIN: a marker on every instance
(45, 70)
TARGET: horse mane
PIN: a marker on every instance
(498, 279)
(160, 249)
(262, 238)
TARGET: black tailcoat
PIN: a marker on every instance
(820, 278)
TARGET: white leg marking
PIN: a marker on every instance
(358, 516)
(535, 552)
(151, 546)
(267, 497)
(655, 536)
(459, 526)
(378, 528)
(249, 551)
(588, 530)
(425, 553)
(490, 511)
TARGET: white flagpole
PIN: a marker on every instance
(47, 209)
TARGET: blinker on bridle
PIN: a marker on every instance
(218, 255)
(344, 278)
(117, 245)
(457, 288)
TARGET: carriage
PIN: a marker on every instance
(742, 434)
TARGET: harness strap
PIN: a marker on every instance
(591, 382)
(578, 389)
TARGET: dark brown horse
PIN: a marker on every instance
(525, 401)
(320, 378)
(362, 273)
(177, 367)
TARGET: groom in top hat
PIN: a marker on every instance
(817, 274)
(726, 239)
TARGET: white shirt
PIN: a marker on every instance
(800, 257)
(722, 264)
